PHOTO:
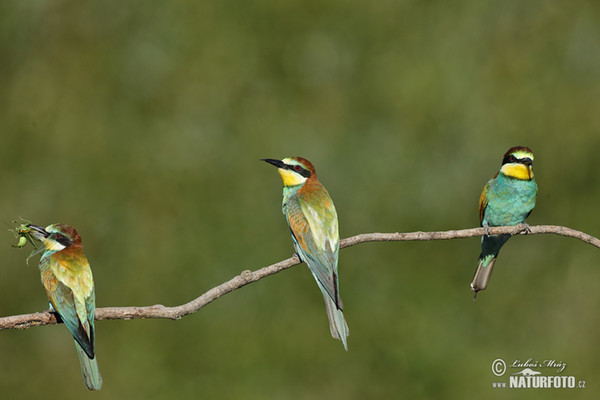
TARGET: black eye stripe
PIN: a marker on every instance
(299, 170)
(510, 159)
(62, 239)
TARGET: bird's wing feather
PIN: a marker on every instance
(483, 202)
(90, 306)
(67, 304)
(316, 239)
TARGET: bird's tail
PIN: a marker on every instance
(483, 273)
(89, 369)
(337, 322)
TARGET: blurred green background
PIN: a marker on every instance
(142, 124)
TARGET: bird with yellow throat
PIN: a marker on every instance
(313, 222)
(507, 199)
(67, 278)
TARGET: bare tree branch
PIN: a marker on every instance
(246, 277)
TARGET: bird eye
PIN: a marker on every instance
(59, 236)
(512, 158)
(297, 168)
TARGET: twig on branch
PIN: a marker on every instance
(246, 277)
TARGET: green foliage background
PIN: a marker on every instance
(142, 124)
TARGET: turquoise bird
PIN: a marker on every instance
(313, 222)
(507, 199)
(67, 278)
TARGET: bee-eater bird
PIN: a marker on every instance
(507, 199)
(313, 222)
(67, 278)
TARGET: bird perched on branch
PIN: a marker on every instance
(507, 199)
(313, 222)
(67, 278)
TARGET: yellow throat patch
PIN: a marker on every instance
(517, 171)
(52, 245)
(290, 178)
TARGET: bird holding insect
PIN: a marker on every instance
(67, 278)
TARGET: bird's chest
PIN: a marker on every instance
(509, 202)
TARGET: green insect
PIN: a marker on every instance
(22, 241)
(23, 233)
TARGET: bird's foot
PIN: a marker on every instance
(486, 229)
(525, 228)
(52, 311)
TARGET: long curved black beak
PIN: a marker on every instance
(38, 232)
(277, 163)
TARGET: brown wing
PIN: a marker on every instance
(483, 201)
(298, 224)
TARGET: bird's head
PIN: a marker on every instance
(56, 237)
(294, 171)
(518, 163)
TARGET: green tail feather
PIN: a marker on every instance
(483, 273)
(89, 369)
(337, 322)
(490, 246)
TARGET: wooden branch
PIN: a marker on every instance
(246, 277)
